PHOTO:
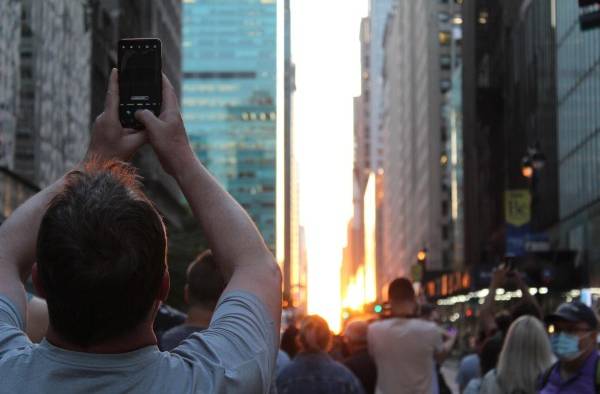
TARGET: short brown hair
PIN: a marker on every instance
(101, 253)
(205, 281)
(314, 334)
(401, 290)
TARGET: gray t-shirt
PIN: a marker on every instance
(170, 339)
(236, 354)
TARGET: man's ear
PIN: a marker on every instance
(37, 282)
(165, 286)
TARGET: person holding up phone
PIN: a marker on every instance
(504, 276)
(96, 248)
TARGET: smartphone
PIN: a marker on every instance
(140, 78)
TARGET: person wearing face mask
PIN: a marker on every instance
(574, 344)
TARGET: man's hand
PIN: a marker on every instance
(167, 133)
(109, 139)
(499, 277)
(235, 241)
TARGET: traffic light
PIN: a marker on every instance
(589, 19)
(378, 308)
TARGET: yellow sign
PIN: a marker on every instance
(517, 204)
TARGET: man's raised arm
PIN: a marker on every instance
(18, 234)
(234, 239)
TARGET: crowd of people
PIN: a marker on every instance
(94, 247)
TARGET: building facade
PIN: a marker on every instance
(508, 107)
(53, 126)
(379, 11)
(10, 38)
(455, 167)
(294, 283)
(104, 22)
(411, 131)
(229, 91)
(578, 69)
(14, 191)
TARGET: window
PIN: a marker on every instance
(444, 37)
(445, 85)
(444, 208)
(445, 62)
(443, 17)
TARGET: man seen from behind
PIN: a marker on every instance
(203, 287)
(405, 347)
(96, 248)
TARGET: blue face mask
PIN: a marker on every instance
(565, 346)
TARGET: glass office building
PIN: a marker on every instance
(578, 95)
(229, 94)
(578, 79)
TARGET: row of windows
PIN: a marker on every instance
(580, 177)
(578, 114)
(224, 117)
(229, 85)
(578, 90)
(578, 53)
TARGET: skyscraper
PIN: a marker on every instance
(578, 96)
(53, 125)
(10, 37)
(378, 15)
(294, 286)
(508, 107)
(411, 126)
(229, 92)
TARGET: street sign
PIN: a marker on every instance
(517, 205)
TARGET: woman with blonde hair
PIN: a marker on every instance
(313, 370)
(525, 355)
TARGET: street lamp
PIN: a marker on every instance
(527, 167)
(533, 161)
(538, 159)
(422, 256)
(531, 165)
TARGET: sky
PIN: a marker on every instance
(326, 51)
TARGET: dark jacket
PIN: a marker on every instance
(317, 373)
(364, 368)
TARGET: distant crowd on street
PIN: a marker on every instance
(95, 248)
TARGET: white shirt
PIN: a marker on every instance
(403, 350)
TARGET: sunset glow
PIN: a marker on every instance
(326, 51)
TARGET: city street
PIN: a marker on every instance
(393, 181)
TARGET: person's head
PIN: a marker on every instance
(524, 308)
(401, 295)
(575, 331)
(289, 340)
(355, 336)
(503, 321)
(429, 312)
(204, 282)
(314, 334)
(101, 256)
(525, 355)
(489, 353)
